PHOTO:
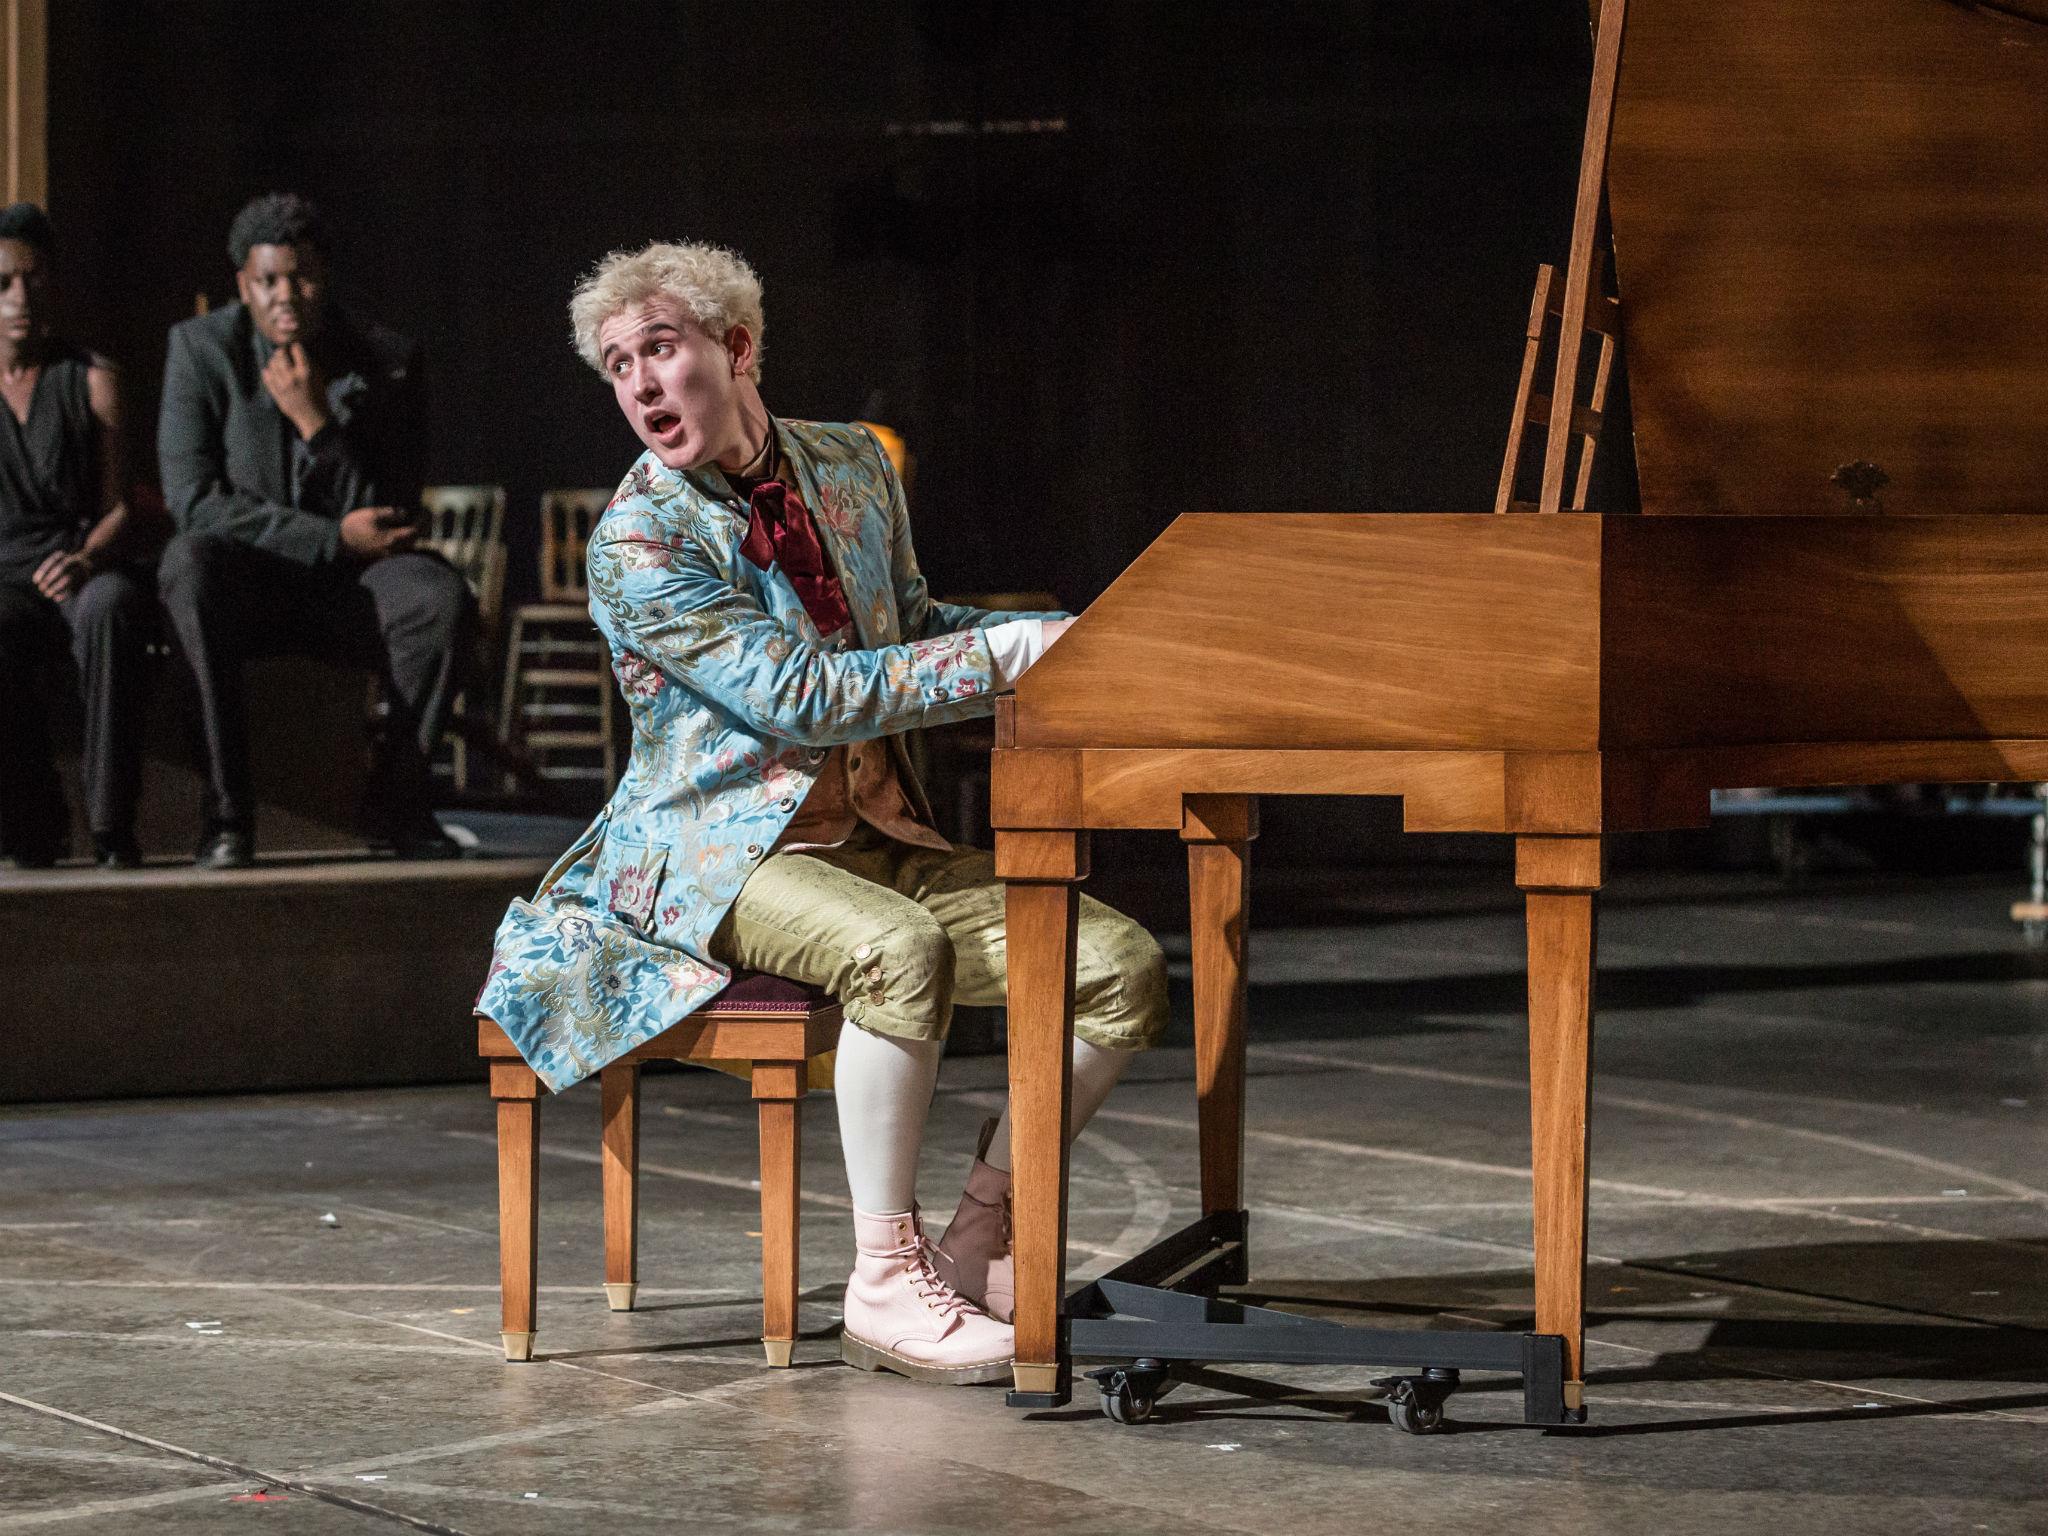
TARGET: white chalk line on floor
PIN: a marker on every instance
(1683, 1198)
(217, 1463)
(666, 1171)
(1376, 1227)
(14, 1450)
(233, 1339)
(1731, 1121)
(477, 1288)
(402, 1218)
(329, 1472)
(491, 1442)
(97, 1509)
(1693, 1198)
(709, 1117)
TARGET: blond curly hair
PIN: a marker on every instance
(712, 284)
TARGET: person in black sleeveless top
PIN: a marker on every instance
(291, 439)
(65, 533)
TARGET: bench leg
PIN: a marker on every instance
(517, 1091)
(621, 1094)
(777, 1087)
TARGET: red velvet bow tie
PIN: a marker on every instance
(780, 531)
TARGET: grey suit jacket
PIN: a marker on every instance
(234, 465)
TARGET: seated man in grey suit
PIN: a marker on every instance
(291, 443)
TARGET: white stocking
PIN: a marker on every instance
(883, 1087)
(1096, 1069)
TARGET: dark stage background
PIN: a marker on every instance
(1100, 263)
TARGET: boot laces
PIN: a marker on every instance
(926, 1281)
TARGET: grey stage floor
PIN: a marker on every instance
(1819, 1294)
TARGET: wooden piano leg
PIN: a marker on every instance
(1560, 876)
(620, 1092)
(1218, 830)
(1043, 870)
(517, 1090)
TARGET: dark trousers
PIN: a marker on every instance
(407, 618)
(107, 625)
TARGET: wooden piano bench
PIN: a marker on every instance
(764, 1025)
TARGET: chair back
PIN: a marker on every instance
(466, 527)
(566, 520)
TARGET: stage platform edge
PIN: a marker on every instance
(308, 971)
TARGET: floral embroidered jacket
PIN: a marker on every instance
(735, 700)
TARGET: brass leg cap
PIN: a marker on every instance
(1036, 1378)
(620, 1296)
(778, 1351)
(518, 1346)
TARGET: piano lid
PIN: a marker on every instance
(1830, 223)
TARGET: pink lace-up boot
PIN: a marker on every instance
(901, 1317)
(976, 1256)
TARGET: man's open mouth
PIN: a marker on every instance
(661, 423)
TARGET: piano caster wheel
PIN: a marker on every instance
(1130, 1391)
(1415, 1404)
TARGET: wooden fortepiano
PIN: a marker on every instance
(1829, 233)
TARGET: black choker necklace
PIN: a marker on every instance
(759, 466)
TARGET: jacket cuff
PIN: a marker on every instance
(955, 675)
(323, 539)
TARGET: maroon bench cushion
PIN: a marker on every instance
(758, 992)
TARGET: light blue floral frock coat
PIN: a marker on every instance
(735, 699)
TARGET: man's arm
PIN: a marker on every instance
(374, 456)
(192, 453)
(668, 605)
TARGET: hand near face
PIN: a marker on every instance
(297, 385)
(1054, 628)
(63, 574)
(371, 533)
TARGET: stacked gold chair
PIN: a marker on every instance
(466, 527)
(559, 701)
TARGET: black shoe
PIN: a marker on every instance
(116, 851)
(425, 842)
(408, 834)
(226, 849)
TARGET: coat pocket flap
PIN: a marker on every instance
(629, 879)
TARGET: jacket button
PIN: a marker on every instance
(753, 850)
(787, 802)
(817, 754)
(862, 951)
